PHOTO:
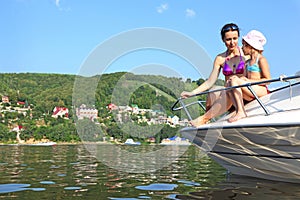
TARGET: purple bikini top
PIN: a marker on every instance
(227, 71)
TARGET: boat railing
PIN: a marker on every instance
(184, 106)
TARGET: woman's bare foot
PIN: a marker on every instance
(198, 121)
(237, 117)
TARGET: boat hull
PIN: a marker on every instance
(263, 146)
(253, 151)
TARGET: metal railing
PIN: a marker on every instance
(248, 85)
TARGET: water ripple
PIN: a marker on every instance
(158, 187)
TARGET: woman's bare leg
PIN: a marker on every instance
(211, 98)
(220, 106)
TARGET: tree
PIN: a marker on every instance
(5, 135)
(89, 131)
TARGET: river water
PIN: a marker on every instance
(74, 172)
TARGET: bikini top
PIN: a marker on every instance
(254, 67)
(227, 71)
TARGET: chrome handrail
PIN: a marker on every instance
(248, 85)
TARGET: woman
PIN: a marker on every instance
(231, 62)
(257, 69)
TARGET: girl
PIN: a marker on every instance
(257, 69)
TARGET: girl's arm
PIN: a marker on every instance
(265, 70)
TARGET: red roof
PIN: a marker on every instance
(58, 109)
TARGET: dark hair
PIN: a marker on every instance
(229, 27)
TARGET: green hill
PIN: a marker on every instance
(45, 91)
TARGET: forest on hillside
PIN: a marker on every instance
(43, 92)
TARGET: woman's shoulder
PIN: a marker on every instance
(219, 60)
(222, 55)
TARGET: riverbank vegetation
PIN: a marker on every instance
(32, 98)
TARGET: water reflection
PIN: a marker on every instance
(70, 171)
(8, 188)
(242, 187)
(157, 187)
(137, 159)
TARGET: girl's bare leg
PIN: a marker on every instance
(237, 96)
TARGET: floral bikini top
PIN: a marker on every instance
(227, 71)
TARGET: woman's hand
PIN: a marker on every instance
(186, 94)
(244, 78)
(234, 77)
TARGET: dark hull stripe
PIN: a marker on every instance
(245, 126)
(253, 155)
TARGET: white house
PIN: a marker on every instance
(84, 112)
(60, 112)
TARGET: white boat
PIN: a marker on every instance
(175, 141)
(266, 144)
(43, 144)
(131, 142)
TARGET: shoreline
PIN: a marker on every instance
(51, 142)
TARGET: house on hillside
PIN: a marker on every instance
(24, 104)
(173, 120)
(17, 128)
(123, 109)
(21, 103)
(135, 108)
(60, 112)
(112, 106)
(85, 112)
(5, 99)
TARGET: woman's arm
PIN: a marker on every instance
(212, 77)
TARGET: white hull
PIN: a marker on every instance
(131, 142)
(43, 144)
(263, 146)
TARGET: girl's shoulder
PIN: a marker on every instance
(261, 58)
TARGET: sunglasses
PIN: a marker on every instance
(230, 28)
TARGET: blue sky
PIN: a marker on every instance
(58, 36)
